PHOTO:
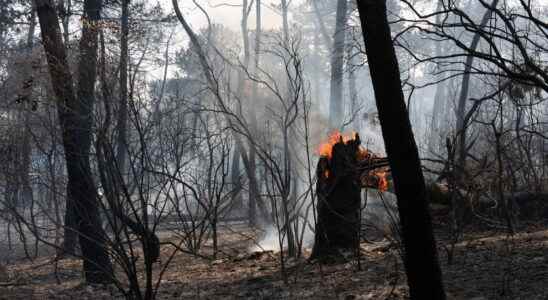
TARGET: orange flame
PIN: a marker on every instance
(382, 184)
(376, 179)
(325, 149)
(363, 154)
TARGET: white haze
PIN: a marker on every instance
(270, 240)
(380, 213)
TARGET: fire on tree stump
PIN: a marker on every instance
(343, 169)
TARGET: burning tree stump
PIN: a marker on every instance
(343, 169)
(339, 200)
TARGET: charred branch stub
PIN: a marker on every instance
(343, 169)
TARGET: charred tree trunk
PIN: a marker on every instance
(70, 233)
(235, 177)
(339, 198)
(76, 120)
(420, 255)
(250, 159)
(254, 188)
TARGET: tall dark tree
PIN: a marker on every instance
(420, 255)
(75, 116)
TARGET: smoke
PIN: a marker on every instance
(371, 137)
(381, 211)
(380, 215)
(270, 241)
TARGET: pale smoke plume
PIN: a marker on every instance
(379, 214)
(371, 138)
(271, 242)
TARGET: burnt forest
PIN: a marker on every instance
(274, 149)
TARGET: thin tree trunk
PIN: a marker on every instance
(157, 106)
(67, 11)
(242, 93)
(355, 124)
(461, 107)
(250, 167)
(27, 91)
(121, 150)
(336, 105)
(420, 254)
(253, 184)
(253, 193)
(235, 177)
(316, 70)
(321, 25)
(52, 158)
(285, 20)
(438, 109)
(434, 142)
(291, 184)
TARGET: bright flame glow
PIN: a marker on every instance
(382, 184)
(375, 178)
(325, 149)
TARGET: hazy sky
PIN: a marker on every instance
(228, 13)
(225, 12)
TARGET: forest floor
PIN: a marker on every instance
(487, 265)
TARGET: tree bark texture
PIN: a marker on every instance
(75, 117)
(123, 104)
(336, 105)
(420, 254)
(338, 190)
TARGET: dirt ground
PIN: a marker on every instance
(487, 265)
